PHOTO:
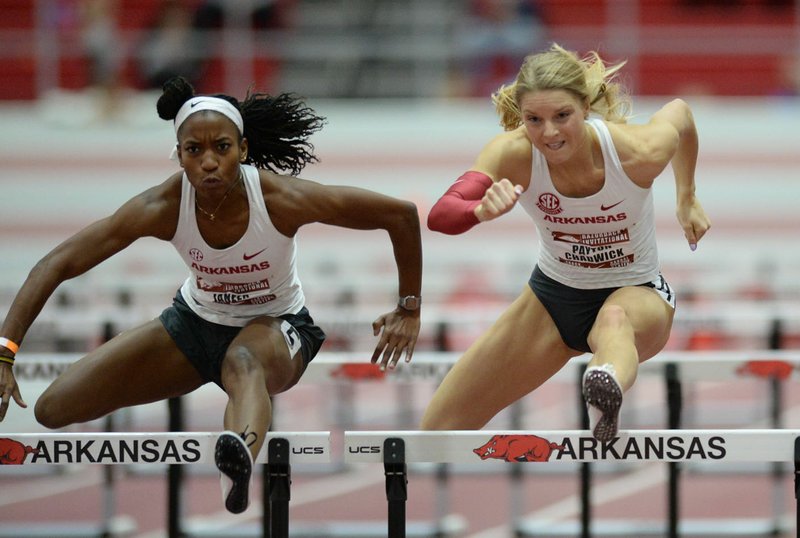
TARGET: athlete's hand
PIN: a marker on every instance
(8, 389)
(400, 331)
(694, 221)
(498, 200)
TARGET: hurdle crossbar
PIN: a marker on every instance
(403, 447)
(715, 365)
(144, 447)
(576, 446)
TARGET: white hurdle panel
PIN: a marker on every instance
(36, 370)
(398, 448)
(172, 449)
(555, 446)
(168, 448)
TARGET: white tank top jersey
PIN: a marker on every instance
(255, 277)
(604, 240)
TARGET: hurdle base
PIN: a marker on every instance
(716, 528)
(453, 525)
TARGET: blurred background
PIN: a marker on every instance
(405, 86)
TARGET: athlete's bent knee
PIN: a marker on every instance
(240, 364)
(612, 316)
(47, 413)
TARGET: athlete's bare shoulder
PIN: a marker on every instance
(513, 144)
(286, 198)
(155, 211)
(507, 155)
(644, 150)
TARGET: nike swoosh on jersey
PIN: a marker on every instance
(251, 256)
(607, 207)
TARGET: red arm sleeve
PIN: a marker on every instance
(454, 213)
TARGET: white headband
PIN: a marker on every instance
(196, 104)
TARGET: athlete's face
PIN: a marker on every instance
(210, 152)
(554, 121)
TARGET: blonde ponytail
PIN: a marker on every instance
(505, 104)
(607, 98)
(588, 78)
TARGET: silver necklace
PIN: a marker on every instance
(211, 216)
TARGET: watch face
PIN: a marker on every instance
(410, 302)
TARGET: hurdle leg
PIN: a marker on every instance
(109, 495)
(776, 409)
(279, 477)
(174, 474)
(586, 468)
(797, 483)
(394, 464)
(777, 467)
(109, 471)
(516, 474)
(266, 505)
(674, 405)
(442, 498)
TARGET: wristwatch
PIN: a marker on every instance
(410, 302)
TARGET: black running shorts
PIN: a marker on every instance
(574, 310)
(205, 343)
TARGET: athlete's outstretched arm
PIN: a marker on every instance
(303, 202)
(139, 217)
(690, 213)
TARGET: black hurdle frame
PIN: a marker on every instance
(279, 478)
(797, 484)
(396, 471)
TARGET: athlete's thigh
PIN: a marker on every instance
(264, 339)
(518, 353)
(649, 315)
(140, 365)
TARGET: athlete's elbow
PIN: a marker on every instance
(436, 221)
(402, 219)
(440, 222)
(450, 220)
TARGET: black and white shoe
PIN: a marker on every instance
(235, 464)
(603, 395)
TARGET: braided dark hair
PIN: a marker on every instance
(277, 128)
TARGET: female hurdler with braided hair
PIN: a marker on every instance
(584, 176)
(239, 320)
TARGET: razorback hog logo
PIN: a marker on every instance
(517, 448)
(766, 369)
(358, 371)
(13, 452)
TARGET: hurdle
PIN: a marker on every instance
(772, 366)
(397, 448)
(41, 368)
(348, 367)
(164, 448)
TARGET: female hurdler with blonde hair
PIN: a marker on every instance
(585, 177)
